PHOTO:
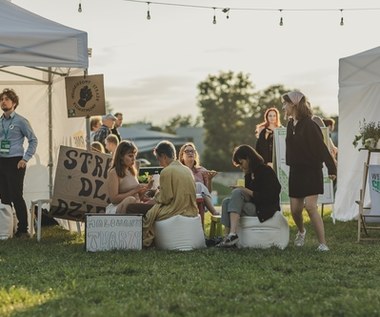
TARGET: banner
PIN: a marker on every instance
(79, 186)
(279, 146)
(85, 96)
(374, 192)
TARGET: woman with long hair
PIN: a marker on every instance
(264, 132)
(122, 183)
(189, 157)
(260, 195)
(305, 153)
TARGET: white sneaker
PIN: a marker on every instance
(300, 238)
(323, 248)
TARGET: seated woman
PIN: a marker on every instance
(188, 156)
(122, 184)
(259, 197)
(176, 195)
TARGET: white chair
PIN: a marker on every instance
(255, 234)
(179, 233)
(39, 203)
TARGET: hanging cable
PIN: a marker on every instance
(148, 12)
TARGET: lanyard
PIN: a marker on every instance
(6, 131)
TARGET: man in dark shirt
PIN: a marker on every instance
(108, 122)
(118, 123)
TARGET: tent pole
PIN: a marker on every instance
(50, 86)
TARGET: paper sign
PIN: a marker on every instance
(113, 232)
(85, 96)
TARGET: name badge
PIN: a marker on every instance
(5, 146)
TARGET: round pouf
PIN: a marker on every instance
(255, 234)
(6, 222)
(179, 233)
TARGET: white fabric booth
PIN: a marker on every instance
(35, 56)
(359, 98)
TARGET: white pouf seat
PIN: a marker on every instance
(179, 233)
(6, 222)
(255, 234)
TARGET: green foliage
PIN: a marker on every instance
(225, 101)
(369, 134)
(144, 179)
(56, 277)
(231, 109)
(181, 121)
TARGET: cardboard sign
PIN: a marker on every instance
(113, 232)
(374, 192)
(79, 185)
(85, 96)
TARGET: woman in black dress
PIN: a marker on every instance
(305, 153)
(264, 131)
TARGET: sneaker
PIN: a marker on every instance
(300, 239)
(229, 241)
(22, 235)
(323, 248)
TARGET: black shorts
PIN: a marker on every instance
(305, 181)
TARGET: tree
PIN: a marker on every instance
(181, 121)
(225, 100)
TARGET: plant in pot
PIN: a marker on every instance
(369, 134)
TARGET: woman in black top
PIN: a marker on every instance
(305, 153)
(259, 197)
(264, 131)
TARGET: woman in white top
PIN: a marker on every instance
(122, 183)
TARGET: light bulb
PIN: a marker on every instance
(80, 8)
(281, 22)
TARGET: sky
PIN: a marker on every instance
(152, 67)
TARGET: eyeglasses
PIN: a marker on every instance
(190, 151)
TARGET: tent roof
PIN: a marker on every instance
(27, 39)
(360, 69)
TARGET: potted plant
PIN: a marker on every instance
(369, 134)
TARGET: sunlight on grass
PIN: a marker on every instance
(17, 299)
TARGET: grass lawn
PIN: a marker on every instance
(56, 277)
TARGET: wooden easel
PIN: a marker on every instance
(363, 211)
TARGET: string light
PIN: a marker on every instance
(214, 18)
(227, 11)
(148, 12)
(80, 7)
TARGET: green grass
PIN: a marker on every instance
(57, 277)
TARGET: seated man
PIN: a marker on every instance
(176, 195)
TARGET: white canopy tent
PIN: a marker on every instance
(359, 98)
(35, 56)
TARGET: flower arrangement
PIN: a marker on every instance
(369, 134)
